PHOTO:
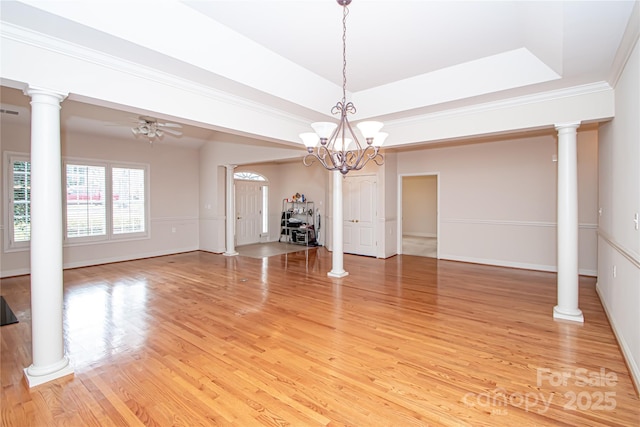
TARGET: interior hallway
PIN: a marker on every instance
(420, 246)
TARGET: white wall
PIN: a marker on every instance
(619, 199)
(174, 173)
(498, 199)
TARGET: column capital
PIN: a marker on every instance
(35, 90)
(569, 125)
(232, 167)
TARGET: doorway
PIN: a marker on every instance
(419, 222)
(251, 200)
(359, 215)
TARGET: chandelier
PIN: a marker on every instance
(336, 146)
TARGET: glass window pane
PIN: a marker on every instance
(128, 200)
(21, 200)
(265, 209)
(86, 203)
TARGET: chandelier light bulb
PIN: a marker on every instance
(324, 129)
(369, 129)
(310, 140)
(378, 140)
(343, 144)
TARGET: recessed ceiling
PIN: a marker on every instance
(404, 57)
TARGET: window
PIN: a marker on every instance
(248, 176)
(265, 209)
(86, 203)
(101, 201)
(19, 209)
(129, 210)
(105, 201)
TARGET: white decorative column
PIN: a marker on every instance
(337, 269)
(49, 359)
(231, 213)
(567, 308)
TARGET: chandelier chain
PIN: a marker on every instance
(345, 12)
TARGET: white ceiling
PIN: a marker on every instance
(404, 57)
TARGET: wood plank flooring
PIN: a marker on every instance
(200, 339)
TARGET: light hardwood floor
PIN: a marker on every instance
(203, 339)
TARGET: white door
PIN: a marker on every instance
(359, 215)
(248, 212)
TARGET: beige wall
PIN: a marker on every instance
(498, 200)
(619, 238)
(174, 175)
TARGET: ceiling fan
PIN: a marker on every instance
(151, 128)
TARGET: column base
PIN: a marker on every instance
(337, 274)
(37, 375)
(230, 253)
(574, 315)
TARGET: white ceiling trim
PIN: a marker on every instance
(538, 98)
(87, 55)
(220, 50)
(507, 70)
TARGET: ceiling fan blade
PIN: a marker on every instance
(172, 132)
(170, 125)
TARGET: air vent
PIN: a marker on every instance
(11, 112)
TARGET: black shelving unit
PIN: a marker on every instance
(297, 223)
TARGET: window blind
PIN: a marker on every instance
(86, 203)
(21, 200)
(128, 211)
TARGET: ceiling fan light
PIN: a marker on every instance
(369, 129)
(324, 129)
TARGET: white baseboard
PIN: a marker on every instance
(16, 272)
(88, 263)
(634, 370)
(511, 264)
(110, 260)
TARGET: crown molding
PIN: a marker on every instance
(507, 103)
(23, 35)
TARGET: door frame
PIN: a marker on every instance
(400, 219)
(261, 183)
(375, 210)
